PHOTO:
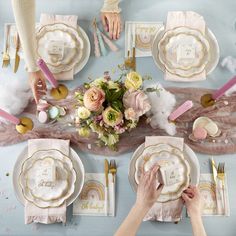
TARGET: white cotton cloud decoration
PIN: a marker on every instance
(15, 93)
(162, 103)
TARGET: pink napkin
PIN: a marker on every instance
(188, 19)
(53, 214)
(168, 211)
(70, 20)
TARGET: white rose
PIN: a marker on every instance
(83, 113)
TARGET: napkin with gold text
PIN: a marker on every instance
(213, 197)
(91, 201)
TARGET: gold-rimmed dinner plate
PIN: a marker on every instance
(77, 165)
(166, 156)
(80, 64)
(214, 51)
(47, 196)
(191, 43)
(188, 153)
(60, 46)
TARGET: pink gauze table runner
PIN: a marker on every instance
(223, 113)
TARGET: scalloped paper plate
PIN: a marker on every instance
(165, 155)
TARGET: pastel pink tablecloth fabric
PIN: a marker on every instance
(170, 211)
(53, 214)
(70, 20)
(187, 19)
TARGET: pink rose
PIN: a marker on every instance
(138, 101)
(94, 98)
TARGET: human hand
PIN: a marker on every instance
(192, 200)
(112, 24)
(148, 192)
(37, 84)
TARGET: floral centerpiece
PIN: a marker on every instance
(110, 108)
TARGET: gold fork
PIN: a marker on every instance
(113, 169)
(6, 56)
(221, 176)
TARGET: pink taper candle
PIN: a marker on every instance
(220, 92)
(48, 74)
(9, 117)
(181, 110)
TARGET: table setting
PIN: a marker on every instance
(113, 110)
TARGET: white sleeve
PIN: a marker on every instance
(24, 12)
(111, 6)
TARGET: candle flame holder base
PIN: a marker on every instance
(207, 100)
(60, 92)
(25, 125)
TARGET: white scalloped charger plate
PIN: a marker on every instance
(72, 43)
(77, 165)
(189, 155)
(165, 155)
(29, 193)
(44, 196)
(214, 51)
(80, 64)
(184, 39)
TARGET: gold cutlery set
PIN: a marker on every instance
(6, 54)
(112, 169)
(219, 176)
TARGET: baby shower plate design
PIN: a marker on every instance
(189, 156)
(46, 191)
(66, 43)
(184, 51)
(214, 51)
(165, 155)
(67, 167)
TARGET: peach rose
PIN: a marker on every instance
(138, 101)
(130, 114)
(94, 98)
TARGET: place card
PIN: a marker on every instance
(91, 200)
(46, 174)
(186, 51)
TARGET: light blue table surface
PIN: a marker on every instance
(220, 17)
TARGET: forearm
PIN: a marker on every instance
(197, 226)
(111, 6)
(132, 221)
(24, 12)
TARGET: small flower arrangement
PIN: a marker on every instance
(110, 108)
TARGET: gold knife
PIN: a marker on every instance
(17, 57)
(214, 169)
(106, 170)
